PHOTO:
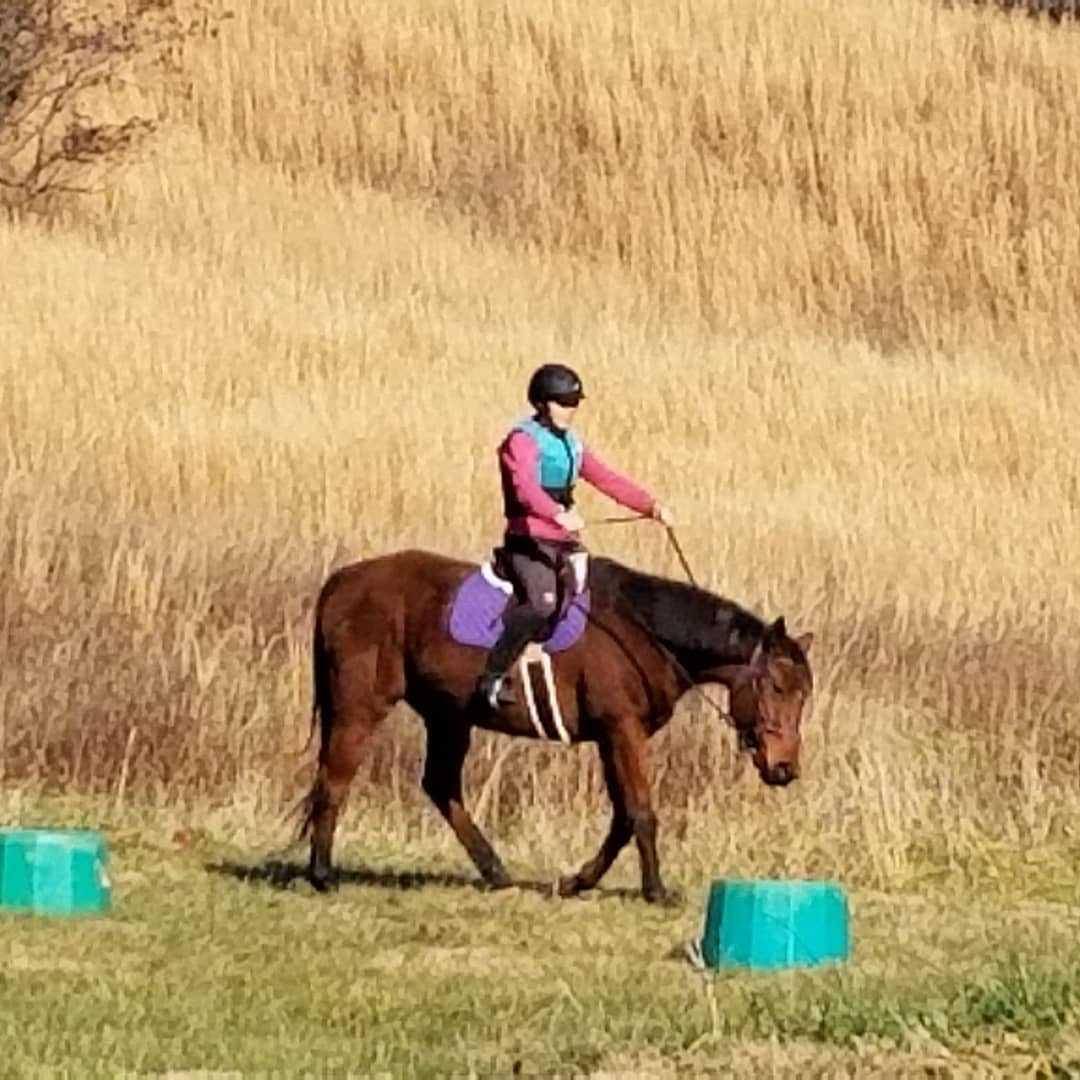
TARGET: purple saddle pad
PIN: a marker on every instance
(477, 609)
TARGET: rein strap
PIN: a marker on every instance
(685, 563)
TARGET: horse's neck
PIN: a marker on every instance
(702, 631)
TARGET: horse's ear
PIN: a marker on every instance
(758, 662)
(804, 641)
(778, 631)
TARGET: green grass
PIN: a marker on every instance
(212, 959)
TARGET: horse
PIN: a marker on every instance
(381, 637)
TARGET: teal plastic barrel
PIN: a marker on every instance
(54, 871)
(775, 924)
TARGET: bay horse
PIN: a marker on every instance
(381, 637)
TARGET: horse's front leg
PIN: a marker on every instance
(447, 744)
(617, 838)
(625, 759)
(631, 758)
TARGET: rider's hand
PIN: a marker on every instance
(570, 520)
(662, 514)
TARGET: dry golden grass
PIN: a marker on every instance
(818, 264)
(898, 170)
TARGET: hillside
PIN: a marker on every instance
(818, 265)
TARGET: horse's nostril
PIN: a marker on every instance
(781, 773)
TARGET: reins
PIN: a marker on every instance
(679, 552)
(672, 538)
(681, 555)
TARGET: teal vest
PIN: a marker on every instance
(560, 459)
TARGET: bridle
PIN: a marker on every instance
(748, 735)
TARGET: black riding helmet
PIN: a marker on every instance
(555, 382)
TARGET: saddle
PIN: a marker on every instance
(476, 612)
(476, 618)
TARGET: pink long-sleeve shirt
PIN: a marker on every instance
(519, 458)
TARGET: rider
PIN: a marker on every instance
(540, 460)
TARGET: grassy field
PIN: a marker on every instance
(818, 264)
(217, 958)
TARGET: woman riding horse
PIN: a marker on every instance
(540, 461)
(382, 636)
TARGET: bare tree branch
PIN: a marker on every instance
(59, 60)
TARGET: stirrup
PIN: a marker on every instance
(497, 692)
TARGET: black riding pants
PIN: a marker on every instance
(534, 567)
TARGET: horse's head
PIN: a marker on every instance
(766, 700)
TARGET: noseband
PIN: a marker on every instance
(749, 735)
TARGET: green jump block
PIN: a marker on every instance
(770, 924)
(54, 871)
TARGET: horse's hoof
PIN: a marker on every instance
(665, 898)
(323, 882)
(499, 883)
(570, 885)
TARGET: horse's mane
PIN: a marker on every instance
(698, 626)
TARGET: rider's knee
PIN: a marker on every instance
(543, 601)
(544, 604)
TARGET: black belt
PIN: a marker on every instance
(521, 544)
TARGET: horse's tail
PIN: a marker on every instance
(320, 711)
(320, 695)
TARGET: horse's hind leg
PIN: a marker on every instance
(447, 745)
(351, 710)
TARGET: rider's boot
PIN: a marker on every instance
(521, 627)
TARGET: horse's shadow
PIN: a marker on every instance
(284, 873)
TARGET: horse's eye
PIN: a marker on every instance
(776, 687)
